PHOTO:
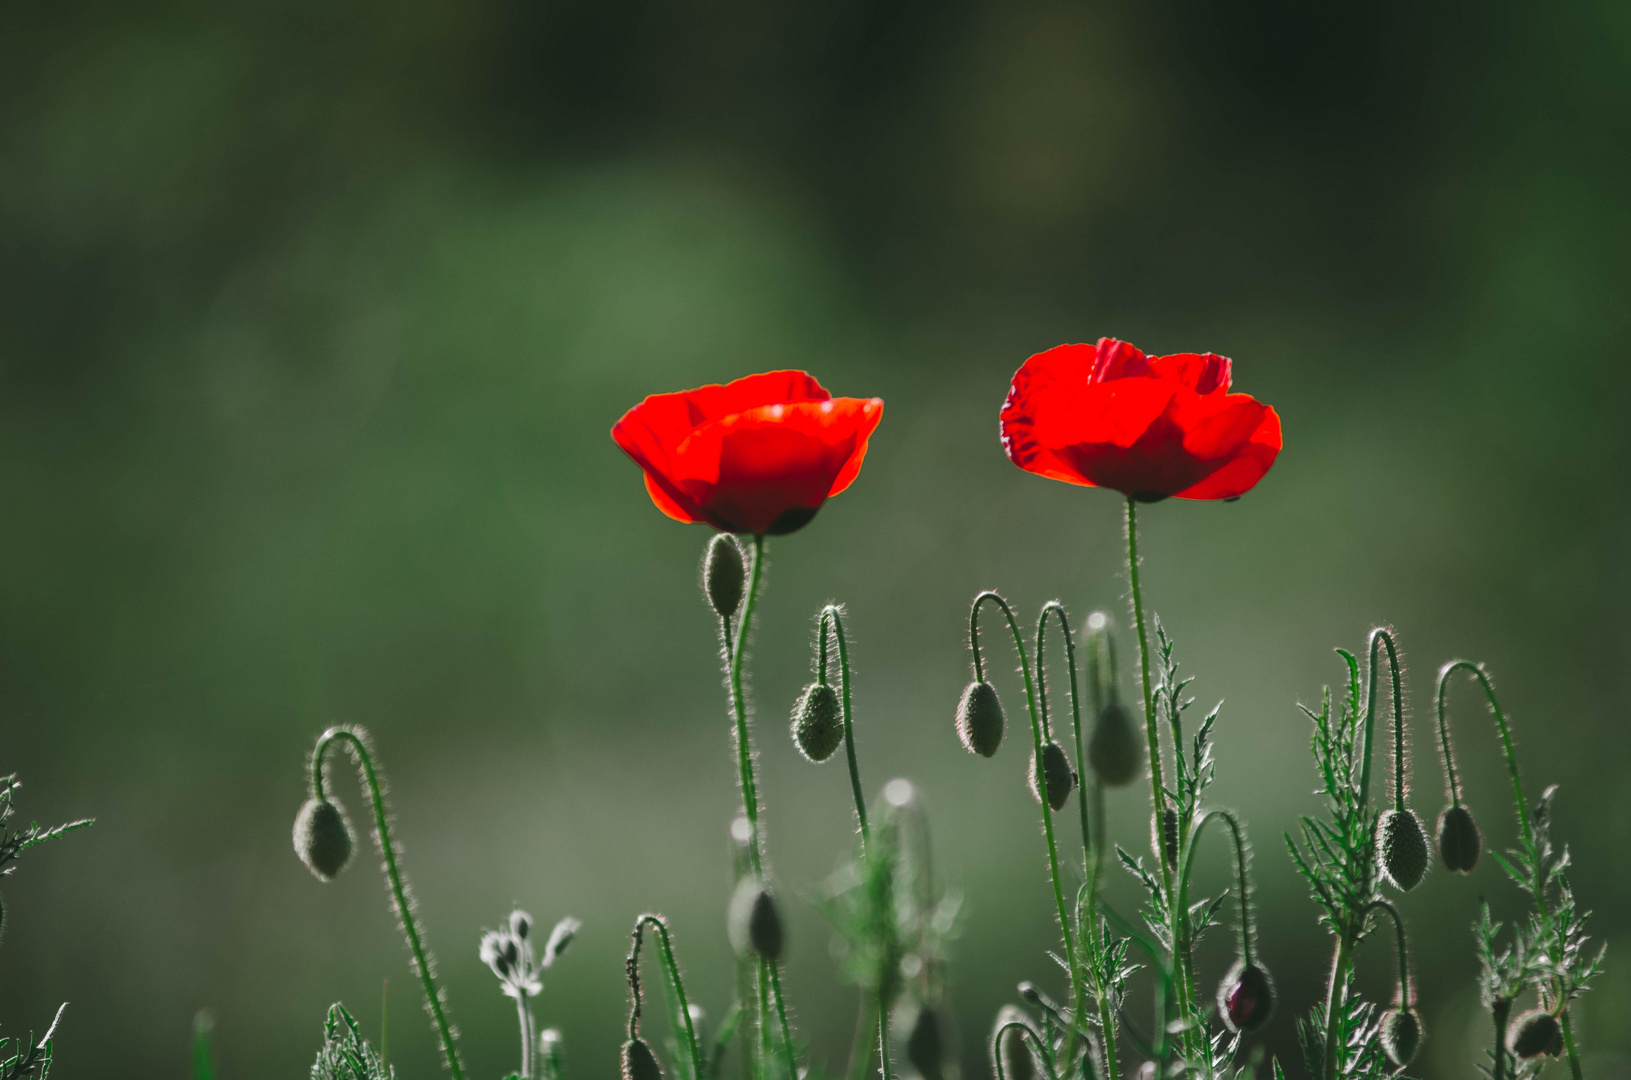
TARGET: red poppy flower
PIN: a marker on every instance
(1146, 426)
(758, 455)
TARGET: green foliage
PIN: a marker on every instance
(346, 1055)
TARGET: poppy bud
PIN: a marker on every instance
(1404, 848)
(1056, 772)
(1458, 839)
(323, 838)
(1115, 749)
(818, 726)
(1017, 1061)
(1401, 1035)
(754, 923)
(924, 1047)
(1164, 837)
(1536, 1032)
(980, 722)
(722, 575)
(1246, 997)
(520, 924)
(639, 1063)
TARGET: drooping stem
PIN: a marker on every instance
(671, 971)
(1054, 607)
(1039, 1050)
(735, 651)
(424, 966)
(1047, 810)
(833, 615)
(1406, 998)
(1381, 638)
(1243, 883)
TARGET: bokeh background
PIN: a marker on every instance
(314, 317)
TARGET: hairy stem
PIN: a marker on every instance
(834, 615)
(671, 971)
(744, 745)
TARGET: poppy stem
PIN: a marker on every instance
(401, 898)
(734, 653)
(834, 614)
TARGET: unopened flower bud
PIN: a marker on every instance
(924, 1047)
(1535, 1033)
(818, 724)
(1404, 848)
(639, 1063)
(1056, 772)
(1458, 840)
(980, 722)
(323, 838)
(1017, 1061)
(559, 938)
(498, 952)
(754, 923)
(1115, 749)
(1164, 835)
(520, 924)
(1246, 997)
(722, 575)
(1401, 1035)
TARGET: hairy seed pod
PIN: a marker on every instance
(1246, 997)
(1534, 1033)
(1164, 836)
(722, 575)
(980, 722)
(639, 1063)
(755, 924)
(1115, 750)
(1458, 840)
(520, 924)
(1401, 1035)
(1056, 772)
(818, 724)
(1404, 848)
(924, 1047)
(323, 838)
(1017, 1060)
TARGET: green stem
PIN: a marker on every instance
(1243, 883)
(1406, 998)
(523, 1009)
(883, 1040)
(671, 971)
(834, 614)
(1047, 811)
(1382, 638)
(744, 746)
(1339, 979)
(1040, 1048)
(1087, 927)
(781, 1015)
(356, 742)
(860, 1053)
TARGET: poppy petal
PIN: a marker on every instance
(1248, 465)
(870, 411)
(1204, 373)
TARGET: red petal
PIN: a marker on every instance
(1118, 360)
(1053, 409)
(1246, 466)
(1204, 373)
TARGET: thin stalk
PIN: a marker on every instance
(357, 744)
(1243, 884)
(1078, 1000)
(1382, 638)
(1040, 1052)
(1339, 979)
(1047, 811)
(860, 1053)
(781, 1015)
(1406, 998)
(1087, 927)
(744, 746)
(834, 615)
(883, 1040)
(523, 1008)
(671, 971)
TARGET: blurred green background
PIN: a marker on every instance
(314, 317)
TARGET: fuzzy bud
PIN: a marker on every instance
(1115, 749)
(723, 576)
(520, 924)
(1056, 772)
(754, 923)
(1164, 836)
(925, 1048)
(639, 1063)
(1458, 840)
(559, 939)
(980, 722)
(1401, 1035)
(818, 724)
(1246, 997)
(1404, 848)
(323, 838)
(1017, 1060)
(1535, 1033)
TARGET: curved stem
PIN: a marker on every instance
(734, 652)
(1047, 811)
(356, 742)
(1406, 999)
(834, 614)
(1025, 1033)
(1243, 883)
(1380, 638)
(671, 969)
(1056, 608)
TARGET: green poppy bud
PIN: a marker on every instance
(639, 1063)
(1458, 840)
(323, 838)
(924, 1047)
(1115, 750)
(1056, 772)
(1017, 1060)
(722, 575)
(754, 923)
(1401, 1035)
(1404, 848)
(1164, 835)
(1535, 1033)
(818, 724)
(1246, 997)
(980, 722)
